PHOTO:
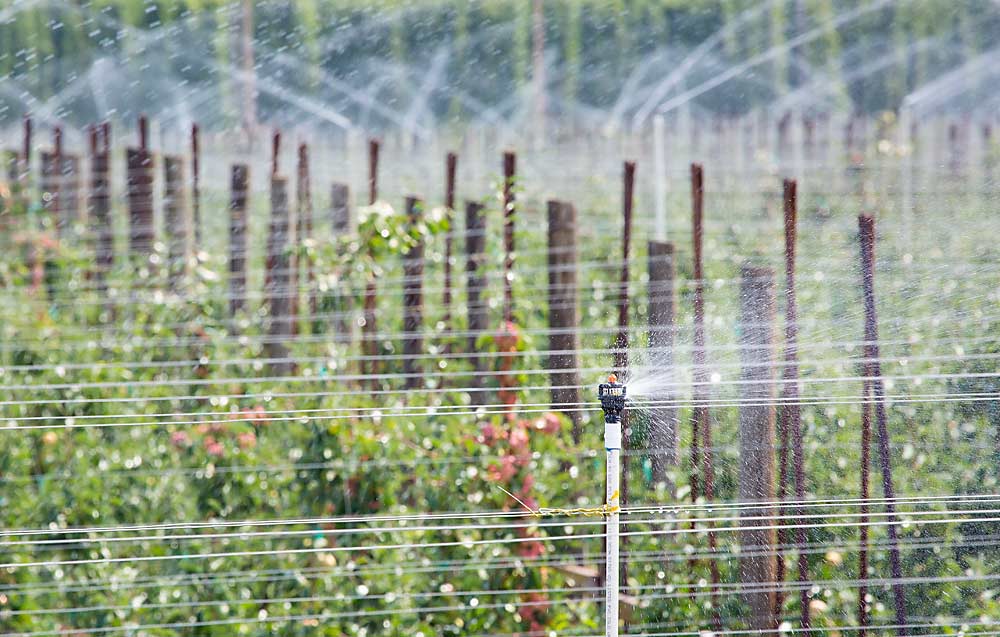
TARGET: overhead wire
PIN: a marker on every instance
(501, 409)
(647, 353)
(894, 520)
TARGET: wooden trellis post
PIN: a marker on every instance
(475, 284)
(509, 175)
(662, 322)
(239, 187)
(196, 185)
(413, 272)
(25, 173)
(340, 224)
(451, 165)
(175, 217)
(51, 180)
(69, 192)
(99, 203)
(757, 443)
(11, 169)
(340, 208)
(564, 360)
(278, 290)
(139, 185)
(369, 331)
(305, 223)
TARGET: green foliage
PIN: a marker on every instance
(186, 422)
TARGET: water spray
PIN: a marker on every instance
(612, 396)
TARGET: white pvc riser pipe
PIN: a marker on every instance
(613, 446)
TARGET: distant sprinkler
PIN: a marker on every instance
(612, 395)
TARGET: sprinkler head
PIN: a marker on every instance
(612, 395)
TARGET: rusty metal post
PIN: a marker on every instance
(864, 619)
(99, 203)
(509, 175)
(451, 164)
(790, 424)
(475, 283)
(279, 291)
(564, 359)
(196, 185)
(413, 272)
(700, 410)
(239, 188)
(866, 227)
(622, 339)
(139, 188)
(340, 224)
(662, 322)
(175, 217)
(757, 443)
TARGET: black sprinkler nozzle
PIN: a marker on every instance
(612, 395)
